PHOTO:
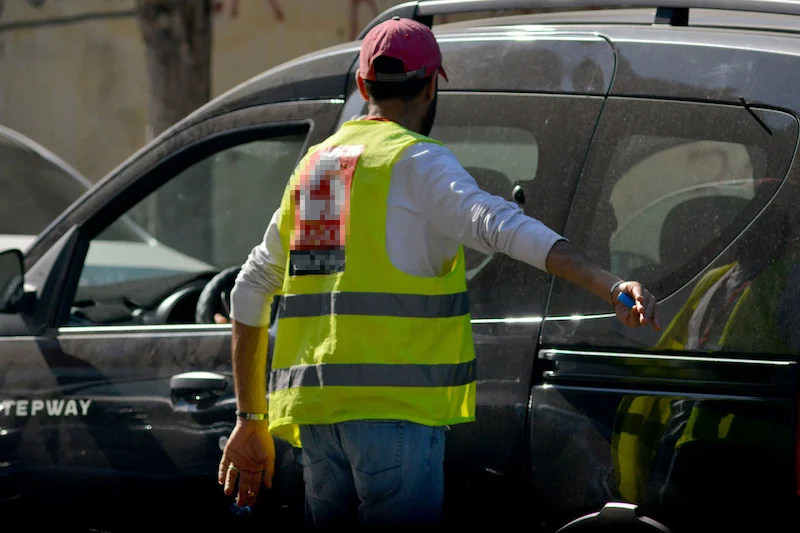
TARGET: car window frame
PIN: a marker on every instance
(147, 182)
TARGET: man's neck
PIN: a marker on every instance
(394, 112)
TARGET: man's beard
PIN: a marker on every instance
(430, 116)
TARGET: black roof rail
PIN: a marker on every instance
(674, 12)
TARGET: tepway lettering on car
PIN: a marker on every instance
(45, 407)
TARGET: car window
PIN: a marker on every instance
(35, 190)
(669, 185)
(503, 140)
(512, 152)
(204, 220)
(497, 156)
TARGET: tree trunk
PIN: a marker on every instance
(177, 37)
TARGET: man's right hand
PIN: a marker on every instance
(249, 456)
(644, 311)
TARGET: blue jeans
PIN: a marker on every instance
(373, 473)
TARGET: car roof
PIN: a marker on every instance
(320, 74)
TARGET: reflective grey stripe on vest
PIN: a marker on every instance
(373, 304)
(372, 375)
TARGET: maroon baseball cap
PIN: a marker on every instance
(407, 40)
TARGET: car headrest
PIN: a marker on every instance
(690, 225)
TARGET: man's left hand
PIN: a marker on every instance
(644, 311)
(249, 455)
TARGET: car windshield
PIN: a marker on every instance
(35, 190)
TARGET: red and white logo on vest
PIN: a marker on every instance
(322, 208)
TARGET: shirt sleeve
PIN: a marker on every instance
(260, 278)
(453, 203)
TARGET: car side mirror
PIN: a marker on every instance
(13, 297)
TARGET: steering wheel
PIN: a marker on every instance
(216, 297)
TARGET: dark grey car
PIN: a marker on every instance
(662, 142)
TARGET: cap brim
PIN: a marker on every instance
(443, 74)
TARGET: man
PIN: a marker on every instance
(374, 354)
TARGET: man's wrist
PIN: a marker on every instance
(255, 425)
(614, 288)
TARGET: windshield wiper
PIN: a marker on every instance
(753, 114)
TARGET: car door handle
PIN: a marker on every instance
(195, 391)
(198, 381)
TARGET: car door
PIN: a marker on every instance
(123, 402)
(694, 422)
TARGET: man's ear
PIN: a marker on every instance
(362, 87)
(431, 88)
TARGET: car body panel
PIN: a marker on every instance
(578, 420)
(727, 71)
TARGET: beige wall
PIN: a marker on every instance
(76, 83)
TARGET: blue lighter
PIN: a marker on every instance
(627, 300)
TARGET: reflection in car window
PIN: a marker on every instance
(202, 221)
(668, 185)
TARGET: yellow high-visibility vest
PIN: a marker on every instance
(358, 339)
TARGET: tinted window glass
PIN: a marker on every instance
(671, 197)
(504, 140)
(497, 157)
(668, 186)
(34, 190)
(217, 210)
(510, 151)
(205, 219)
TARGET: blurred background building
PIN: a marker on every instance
(73, 73)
